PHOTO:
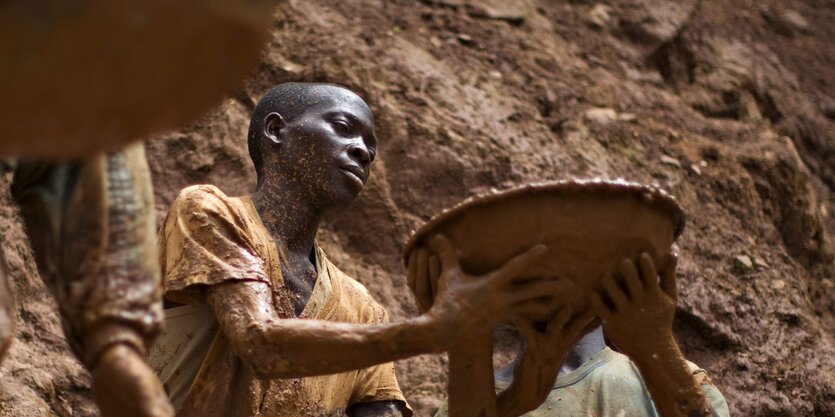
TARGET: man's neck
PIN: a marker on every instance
(292, 223)
(289, 219)
(589, 345)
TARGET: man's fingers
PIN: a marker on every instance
(562, 291)
(599, 307)
(579, 322)
(535, 290)
(537, 299)
(516, 266)
(613, 290)
(526, 330)
(533, 309)
(557, 324)
(648, 272)
(434, 272)
(446, 252)
(422, 289)
(634, 285)
(629, 273)
(668, 279)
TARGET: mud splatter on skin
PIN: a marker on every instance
(506, 108)
(313, 146)
(588, 228)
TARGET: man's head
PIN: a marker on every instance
(314, 139)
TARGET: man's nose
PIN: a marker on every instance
(360, 153)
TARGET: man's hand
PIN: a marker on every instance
(467, 303)
(125, 386)
(544, 352)
(639, 321)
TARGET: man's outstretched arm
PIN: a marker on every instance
(292, 348)
(295, 348)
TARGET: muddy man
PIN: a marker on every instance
(295, 336)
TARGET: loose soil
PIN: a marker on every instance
(729, 106)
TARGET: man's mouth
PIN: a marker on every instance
(355, 172)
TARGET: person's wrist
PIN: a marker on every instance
(658, 350)
(108, 335)
(435, 330)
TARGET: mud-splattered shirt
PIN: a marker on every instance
(209, 238)
(608, 384)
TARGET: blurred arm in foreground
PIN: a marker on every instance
(91, 224)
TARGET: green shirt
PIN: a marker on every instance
(608, 384)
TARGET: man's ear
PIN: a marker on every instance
(273, 124)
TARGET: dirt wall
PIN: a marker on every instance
(728, 105)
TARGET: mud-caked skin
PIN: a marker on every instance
(471, 389)
(637, 312)
(313, 146)
(91, 224)
(637, 306)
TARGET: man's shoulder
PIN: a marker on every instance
(205, 199)
(199, 196)
(620, 366)
(620, 361)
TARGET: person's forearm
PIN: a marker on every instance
(532, 382)
(511, 402)
(295, 348)
(275, 347)
(472, 390)
(670, 383)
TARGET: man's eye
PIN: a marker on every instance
(340, 126)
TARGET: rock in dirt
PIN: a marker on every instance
(788, 22)
(601, 115)
(760, 263)
(509, 14)
(743, 263)
(627, 117)
(695, 169)
(670, 161)
(600, 16)
(654, 22)
(465, 39)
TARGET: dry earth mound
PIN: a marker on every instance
(730, 106)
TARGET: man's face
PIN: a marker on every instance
(327, 151)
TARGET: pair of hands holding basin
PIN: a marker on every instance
(636, 306)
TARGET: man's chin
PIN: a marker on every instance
(343, 197)
(351, 188)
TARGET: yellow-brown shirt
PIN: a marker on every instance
(209, 238)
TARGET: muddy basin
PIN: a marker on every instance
(587, 225)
